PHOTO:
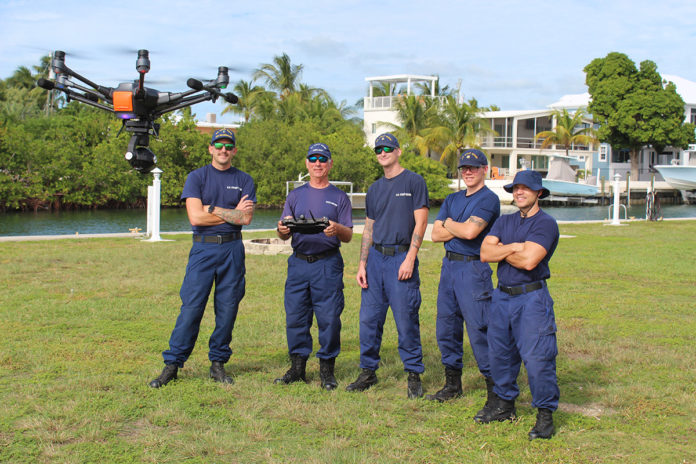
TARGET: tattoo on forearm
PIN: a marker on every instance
(366, 243)
(416, 241)
(232, 216)
(476, 220)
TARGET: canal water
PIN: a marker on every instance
(175, 220)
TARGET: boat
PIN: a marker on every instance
(561, 179)
(678, 177)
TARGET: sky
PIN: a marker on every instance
(517, 55)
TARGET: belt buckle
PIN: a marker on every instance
(389, 251)
(219, 239)
(311, 259)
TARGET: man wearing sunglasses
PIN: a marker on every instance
(314, 285)
(219, 201)
(396, 210)
(465, 289)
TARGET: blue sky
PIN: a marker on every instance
(517, 55)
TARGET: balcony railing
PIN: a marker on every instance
(389, 103)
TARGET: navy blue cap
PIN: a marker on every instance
(531, 179)
(386, 140)
(319, 149)
(223, 134)
(472, 157)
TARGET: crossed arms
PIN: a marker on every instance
(522, 255)
(199, 216)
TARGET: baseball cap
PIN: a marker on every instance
(472, 157)
(223, 134)
(386, 140)
(319, 149)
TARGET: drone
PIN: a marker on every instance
(138, 106)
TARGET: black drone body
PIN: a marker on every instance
(302, 225)
(138, 106)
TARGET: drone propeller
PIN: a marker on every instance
(122, 50)
(47, 51)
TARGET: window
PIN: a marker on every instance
(693, 115)
(374, 128)
(603, 149)
(620, 156)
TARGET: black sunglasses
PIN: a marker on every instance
(379, 150)
(219, 145)
(315, 158)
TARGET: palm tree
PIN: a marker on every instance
(424, 88)
(249, 98)
(568, 131)
(281, 75)
(415, 113)
(460, 126)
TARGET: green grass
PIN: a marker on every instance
(83, 323)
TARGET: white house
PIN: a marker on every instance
(513, 147)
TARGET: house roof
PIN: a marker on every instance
(685, 88)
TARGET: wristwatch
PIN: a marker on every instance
(211, 208)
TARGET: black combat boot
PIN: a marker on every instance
(544, 425)
(452, 388)
(326, 374)
(296, 372)
(365, 380)
(489, 400)
(168, 373)
(415, 388)
(218, 374)
(501, 410)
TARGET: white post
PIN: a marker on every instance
(617, 198)
(150, 193)
(154, 205)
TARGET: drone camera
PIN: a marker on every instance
(141, 159)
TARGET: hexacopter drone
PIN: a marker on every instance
(138, 106)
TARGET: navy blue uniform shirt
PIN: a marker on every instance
(391, 203)
(218, 188)
(541, 229)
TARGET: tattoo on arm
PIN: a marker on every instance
(476, 220)
(232, 216)
(416, 241)
(366, 243)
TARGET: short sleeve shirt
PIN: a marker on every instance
(218, 188)
(541, 229)
(391, 203)
(460, 207)
(330, 202)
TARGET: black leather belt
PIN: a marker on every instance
(217, 238)
(522, 288)
(318, 256)
(452, 256)
(390, 250)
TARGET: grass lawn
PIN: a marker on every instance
(83, 323)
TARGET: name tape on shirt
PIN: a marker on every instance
(404, 194)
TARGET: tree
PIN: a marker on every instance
(568, 131)
(281, 75)
(459, 126)
(415, 113)
(249, 96)
(634, 108)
